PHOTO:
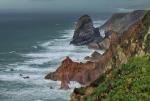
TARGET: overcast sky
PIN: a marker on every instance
(73, 5)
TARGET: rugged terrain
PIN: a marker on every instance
(128, 76)
(127, 36)
(128, 82)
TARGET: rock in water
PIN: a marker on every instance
(84, 32)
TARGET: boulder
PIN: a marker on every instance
(84, 31)
(94, 56)
(103, 45)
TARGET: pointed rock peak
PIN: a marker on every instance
(85, 18)
(67, 61)
(84, 31)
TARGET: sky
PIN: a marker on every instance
(72, 5)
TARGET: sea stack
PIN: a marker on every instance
(131, 42)
(84, 31)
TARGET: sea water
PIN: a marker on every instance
(32, 45)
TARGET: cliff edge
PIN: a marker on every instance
(126, 74)
(131, 42)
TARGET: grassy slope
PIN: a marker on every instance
(130, 82)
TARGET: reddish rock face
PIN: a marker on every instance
(84, 73)
(71, 71)
(121, 47)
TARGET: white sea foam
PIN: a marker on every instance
(12, 52)
(102, 33)
(10, 77)
(69, 33)
(98, 23)
(74, 84)
(30, 69)
(55, 51)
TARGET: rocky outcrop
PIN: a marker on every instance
(85, 32)
(94, 56)
(133, 41)
(84, 73)
(103, 44)
(73, 71)
(119, 22)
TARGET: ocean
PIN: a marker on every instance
(32, 45)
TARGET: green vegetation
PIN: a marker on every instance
(130, 82)
(80, 90)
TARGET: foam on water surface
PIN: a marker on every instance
(37, 65)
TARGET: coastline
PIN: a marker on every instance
(71, 71)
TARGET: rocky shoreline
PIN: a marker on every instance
(126, 35)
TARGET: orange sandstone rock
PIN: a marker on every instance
(84, 73)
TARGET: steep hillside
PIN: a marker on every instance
(129, 82)
(127, 76)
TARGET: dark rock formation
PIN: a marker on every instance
(84, 32)
(94, 56)
(11, 69)
(133, 41)
(26, 77)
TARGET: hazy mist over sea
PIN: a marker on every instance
(71, 5)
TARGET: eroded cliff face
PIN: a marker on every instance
(73, 71)
(119, 22)
(84, 73)
(133, 42)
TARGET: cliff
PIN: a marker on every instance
(123, 73)
(120, 23)
(132, 39)
(129, 82)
